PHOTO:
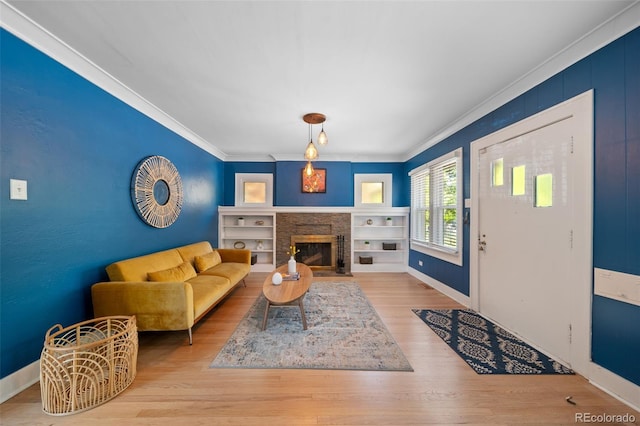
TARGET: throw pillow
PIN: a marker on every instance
(179, 273)
(207, 261)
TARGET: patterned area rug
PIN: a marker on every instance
(344, 332)
(486, 347)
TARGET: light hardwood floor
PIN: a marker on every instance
(174, 385)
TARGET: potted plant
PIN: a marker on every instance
(389, 221)
(241, 221)
(366, 245)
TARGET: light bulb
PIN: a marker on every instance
(322, 137)
(308, 169)
(311, 153)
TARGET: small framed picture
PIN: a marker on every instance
(316, 182)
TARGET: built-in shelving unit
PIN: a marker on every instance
(372, 227)
(366, 225)
(250, 229)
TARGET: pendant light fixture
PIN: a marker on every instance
(311, 153)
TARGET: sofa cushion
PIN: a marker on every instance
(207, 261)
(190, 251)
(207, 290)
(231, 270)
(136, 268)
(178, 273)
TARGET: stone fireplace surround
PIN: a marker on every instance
(333, 224)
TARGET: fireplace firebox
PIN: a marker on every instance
(316, 251)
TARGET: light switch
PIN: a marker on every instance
(18, 189)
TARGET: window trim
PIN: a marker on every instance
(241, 178)
(387, 190)
(450, 255)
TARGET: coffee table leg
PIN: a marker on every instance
(266, 315)
(304, 318)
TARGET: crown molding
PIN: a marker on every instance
(351, 158)
(619, 25)
(30, 32)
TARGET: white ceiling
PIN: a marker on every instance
(391, 76)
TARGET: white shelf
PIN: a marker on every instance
(372, 226)
(230, 232)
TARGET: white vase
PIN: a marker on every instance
(240, 222)
(389, 222)
(291, 265)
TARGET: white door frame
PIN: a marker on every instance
(581, 108)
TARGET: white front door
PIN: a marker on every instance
(525, 236)
(530, 201)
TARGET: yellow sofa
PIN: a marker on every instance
(170, 289)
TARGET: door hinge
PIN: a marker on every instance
(572, 144)
(570, 333)
(571, 239)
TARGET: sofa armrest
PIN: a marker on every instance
(156, 305)
(235, 255)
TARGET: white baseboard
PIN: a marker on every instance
(616, 386)
(442, 288)
(16, 382)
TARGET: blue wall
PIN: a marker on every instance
(614, 74)
(77, 147)
(287, 185)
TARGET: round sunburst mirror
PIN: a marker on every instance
(156, 191)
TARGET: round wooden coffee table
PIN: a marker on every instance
(289, 293)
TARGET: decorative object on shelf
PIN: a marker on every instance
(366, 245)
(291, 264)
(366, 260)
(259, 245)
(369, 221)
(254, 258)
(239, 245)
(156, 191)
(277, 278)
(316, 182)
(259, 222)
(241, 221)
(389, 221)
(388, 246)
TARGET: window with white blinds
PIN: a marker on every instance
(436, 207)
